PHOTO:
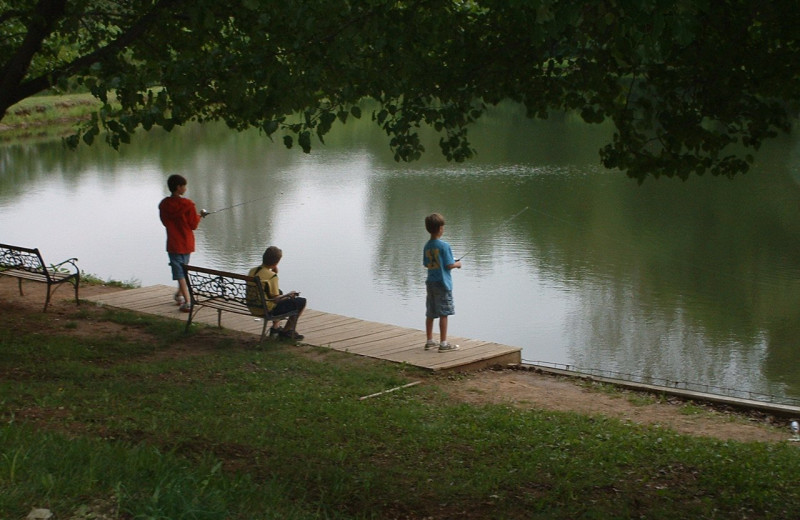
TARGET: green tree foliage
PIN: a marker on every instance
(690, 85)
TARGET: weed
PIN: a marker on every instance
(93, 279)
(690, 408)
(642, 399)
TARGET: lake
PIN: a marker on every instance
(691, 283)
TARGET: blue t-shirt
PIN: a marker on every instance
(436, 255)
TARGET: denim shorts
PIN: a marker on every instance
(439, 301)
(176, 261)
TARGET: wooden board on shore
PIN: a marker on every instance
(322, 329)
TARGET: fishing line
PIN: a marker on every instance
(205, 213)
(502, 224)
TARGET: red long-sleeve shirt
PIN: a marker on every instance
(179, 216)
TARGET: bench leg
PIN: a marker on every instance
(20, 286)
(189, 320)
(75, 282)
(77, 285)
(263, 331)
(47, 300)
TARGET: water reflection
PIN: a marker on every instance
(687, 281)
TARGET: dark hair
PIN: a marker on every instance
(174, 182)
(272, 256)
(434, 222)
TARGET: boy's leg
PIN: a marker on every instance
(183, 289)
(446, 310)
(443, 329)
(290, 329)
(430, 314)
(291, 324)
(176, 261)
(430, 343)
(299, 305)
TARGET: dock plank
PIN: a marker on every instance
(334, 331)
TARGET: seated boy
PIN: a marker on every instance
(277, 302)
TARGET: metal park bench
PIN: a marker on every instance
(228, 292)
(27, 264)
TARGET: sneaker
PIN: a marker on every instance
(430, 344)
(185, 307)
(447, 347)
(291, 334)
(275, 331)
(179, 299)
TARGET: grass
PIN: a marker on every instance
(96, 280)
(46, 117)
(143, 421)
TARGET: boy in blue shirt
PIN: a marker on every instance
(437, 257)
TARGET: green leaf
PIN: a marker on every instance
(270, 127)
(304, 140)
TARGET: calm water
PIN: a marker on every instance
(690, 282)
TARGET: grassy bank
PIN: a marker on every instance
(46, 117)
(112, 413)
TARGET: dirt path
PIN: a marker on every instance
(523, 389)
(531, 390)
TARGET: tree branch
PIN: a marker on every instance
(45, 15)
(128, 37)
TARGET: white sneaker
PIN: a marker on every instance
(447, 347)
(179, 299)
(430, 344)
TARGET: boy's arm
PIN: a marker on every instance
(455, 264)
(194, 218)
(290, 294)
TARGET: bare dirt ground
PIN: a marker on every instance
(518, 388)
(531, 390)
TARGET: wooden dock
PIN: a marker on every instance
(322, 329)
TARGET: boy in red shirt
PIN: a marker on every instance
(179, 215)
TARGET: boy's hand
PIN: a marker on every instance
(204, 213)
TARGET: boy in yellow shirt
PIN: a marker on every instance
(279, 303)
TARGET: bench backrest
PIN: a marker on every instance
(15, 257)
(228, 291)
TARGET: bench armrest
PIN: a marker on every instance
(70, 261)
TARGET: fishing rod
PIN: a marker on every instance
(204, 212)
(504, 223)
